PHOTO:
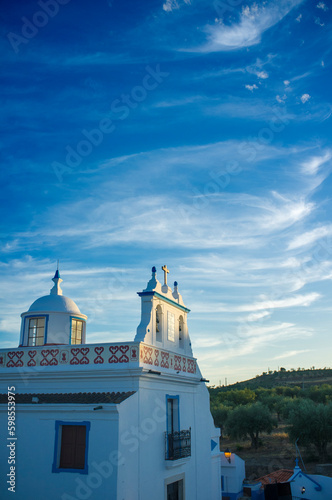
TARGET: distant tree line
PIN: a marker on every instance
(246, 413)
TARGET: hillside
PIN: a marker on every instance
(300, 377)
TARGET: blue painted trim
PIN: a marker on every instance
(166, 299)
(83, 332)
(57, 444)
(213, 444)
(26, 340)
(318, 486)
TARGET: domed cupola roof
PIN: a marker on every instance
(55, 302)
(53, 319)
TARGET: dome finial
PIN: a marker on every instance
(56, 290)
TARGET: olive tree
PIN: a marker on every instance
(249, 421)
(311, 423)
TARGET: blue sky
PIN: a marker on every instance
(190, 133)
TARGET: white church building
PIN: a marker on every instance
(108, 421)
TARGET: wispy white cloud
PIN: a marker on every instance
(281, 99)
(292, 301)
(251, 87)
(323, 6)
(253, 22)
(305, 98)
(171, 103)
(319, 22)
(254, 340)
(313, 164)
(262, 74)
(252, 108)
(257, 316)
(290, 354)
(171, 5)
(310, 237)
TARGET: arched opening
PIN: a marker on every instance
(159, 324)
(181, 331)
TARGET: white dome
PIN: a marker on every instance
(54, 303)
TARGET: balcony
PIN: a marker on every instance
(178, 445)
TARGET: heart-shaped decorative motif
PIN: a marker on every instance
(10, 363)
(99, 360)
(113, 359)
(74, 361)
(75, 351)
(124, 348)
(19, 354)
(85, 350)
(99, 350)
(53, 361)
(32, 362)
(44, 362)
(32, 354)
(114, 349)
(45, 353)
(84, 361)
(11, 354)
(124, 359)
(54, 352)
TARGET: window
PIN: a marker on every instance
(36, 333)
(76, 331)
(71, 447)
(177, 442)
(175, 490)
(170, 326)
(172, 414)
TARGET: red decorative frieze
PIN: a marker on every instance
(184, 369)
(32, 361)
(177, 362)
(15, 359)
(80, 356)
(191, 366)
(124, 359)
(99, 359)
(147, 355)
(156, 355)
(119, 354)
(49, 357)
(2, 359)
(164, 359)
(64, 356)
(133, 354)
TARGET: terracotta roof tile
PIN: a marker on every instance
(278, 476)
(70, 398)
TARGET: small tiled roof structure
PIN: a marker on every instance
(278, 476)
(69, 398)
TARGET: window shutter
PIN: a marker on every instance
(73, 441)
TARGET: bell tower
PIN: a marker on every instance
(163, 316)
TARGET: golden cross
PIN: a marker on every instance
(164, 268)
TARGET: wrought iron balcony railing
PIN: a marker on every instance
(178, 445)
